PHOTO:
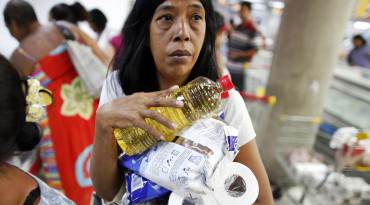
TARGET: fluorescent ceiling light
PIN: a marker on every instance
(259, 7)
(277, 4)
(361, 25)
(255, 1)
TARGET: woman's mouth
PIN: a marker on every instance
(180, 53)
(180, 56)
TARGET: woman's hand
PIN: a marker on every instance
(122, 113)
(132, 111)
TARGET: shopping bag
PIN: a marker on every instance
(90, 69)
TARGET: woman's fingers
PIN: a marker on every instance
(167, 92)
(165, 102)
(158, 117)
(153, 132)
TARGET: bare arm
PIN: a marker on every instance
(109, 51)
(250, 157)
(94, 47)
(104, 168)
(42, 41)
(24, 65)
(87, 40)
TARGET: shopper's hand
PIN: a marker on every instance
(132, 111)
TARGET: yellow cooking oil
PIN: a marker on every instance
(201, 97)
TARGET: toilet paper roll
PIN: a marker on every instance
(235, 184)
(176, 199)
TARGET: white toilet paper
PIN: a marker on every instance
(232, 183)
(176, 199)
(235, 184)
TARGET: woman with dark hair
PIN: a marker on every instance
(62, 12)
(221, 58)
(69, 124)
(72, 13)
(97, 20)
(167, 43)
(98, 23)
(19, 134)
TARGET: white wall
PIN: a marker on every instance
(115, 10)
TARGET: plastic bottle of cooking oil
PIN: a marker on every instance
(201, 97)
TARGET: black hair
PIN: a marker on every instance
(136, 66)
(98, 18)
(16, 133)
(361, 38)
(71, 13)
(19, 11)
(79, 11)
(219, 21)
(62, 12)
(246, 4)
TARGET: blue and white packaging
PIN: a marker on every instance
(141, 190)
(182, 167)
(168, 164)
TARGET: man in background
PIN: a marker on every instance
(241, 45)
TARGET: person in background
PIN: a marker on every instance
(241, 45)
(19, 134)
(166, 43)
(69, 125)
(360, 54)
(74, 13)
(116, 42)
(98, 23)
(221, 59)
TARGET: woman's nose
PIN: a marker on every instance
(182, 30)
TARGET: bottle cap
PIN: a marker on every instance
(226, 83)
(225, 95)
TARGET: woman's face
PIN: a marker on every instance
(177, 33)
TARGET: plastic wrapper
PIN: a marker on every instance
(352, 148)
(231, 183)
(184, 165)
(141, 190)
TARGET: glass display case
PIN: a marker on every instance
(347, 105)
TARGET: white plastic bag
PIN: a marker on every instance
(90, 69)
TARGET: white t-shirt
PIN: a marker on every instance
(235, 110)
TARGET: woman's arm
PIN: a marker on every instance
(104, 58)
(87, 40)
(22, 62)
(250, 157)
(104, 168)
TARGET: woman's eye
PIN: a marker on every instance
(197, 17)
(166, 18)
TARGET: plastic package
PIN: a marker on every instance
(231, 183)
(141, 190)
(184, 166)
